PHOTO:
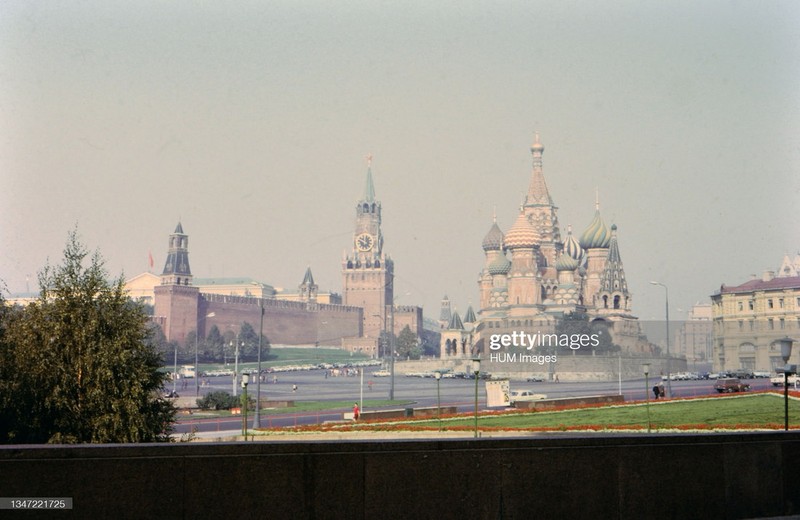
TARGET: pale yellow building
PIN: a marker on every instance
(750, 318)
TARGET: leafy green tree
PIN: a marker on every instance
(213, 345)
(79, 365)
(248, 341)
(407, 345)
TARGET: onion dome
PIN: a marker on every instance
(522, 234)
(565, 262)
(493, 241)
(500, 265)
(572, 247)
(597, 235)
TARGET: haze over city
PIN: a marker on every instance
(250, 125)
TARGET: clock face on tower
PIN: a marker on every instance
(364, 242)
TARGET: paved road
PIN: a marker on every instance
(314, 386)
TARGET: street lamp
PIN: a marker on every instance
(245, 380)
(438, 376)
(786, 353)
(235, 363)
(257, 416)
(666, 299)
(476, 370)
(646, 370)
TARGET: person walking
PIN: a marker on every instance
(355, 411)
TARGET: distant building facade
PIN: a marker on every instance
(695, 339)
(750, 318)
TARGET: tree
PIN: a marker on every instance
(214, 345)
(79, 365)
(248, 341)
(407, 345)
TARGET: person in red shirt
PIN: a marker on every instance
(355, 411)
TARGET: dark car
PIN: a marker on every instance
(729, 385)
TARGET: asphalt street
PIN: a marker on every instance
(314, 385)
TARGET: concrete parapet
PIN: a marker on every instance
(748, 475)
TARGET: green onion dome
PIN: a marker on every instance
(500, 265)
(565, 262)
(597, 235)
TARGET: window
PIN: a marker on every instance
(769, 303)
(741, 306)
(751, 304)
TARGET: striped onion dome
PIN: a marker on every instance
(565, 262)
(597, 235)
(493, 241)
(572, 247)
(522, 234)
(500, 265)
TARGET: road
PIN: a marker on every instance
(421, 392)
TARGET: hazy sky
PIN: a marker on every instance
(249, 122)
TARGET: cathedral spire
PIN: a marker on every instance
(614, 293)
(537, 191)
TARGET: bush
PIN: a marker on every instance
(218, 401)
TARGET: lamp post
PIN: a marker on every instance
(646, 370)
(476, 370)
(438, 376)
(175, 371)
(245, 380)
(257, 416)
(666, 300)
(786, 353)
(235, 363)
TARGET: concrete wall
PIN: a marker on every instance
(638, 476)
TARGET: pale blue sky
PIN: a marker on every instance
(249, 121)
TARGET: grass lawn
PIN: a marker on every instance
(279, 356)
(751, 411)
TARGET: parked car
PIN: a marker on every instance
(730, 384)
(382, 373)
(778, 379)
(743, 373)
(535, 379)
(524, 395)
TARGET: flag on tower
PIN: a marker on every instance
(150, 254)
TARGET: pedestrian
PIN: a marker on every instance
(294, 388)
(355, 411)
(656, 391)
(661, 391)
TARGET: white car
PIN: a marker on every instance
(382, 373)
(524, 395)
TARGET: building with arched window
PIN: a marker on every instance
(750, 318)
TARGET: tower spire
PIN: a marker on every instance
(538, 193)
(369, 189)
